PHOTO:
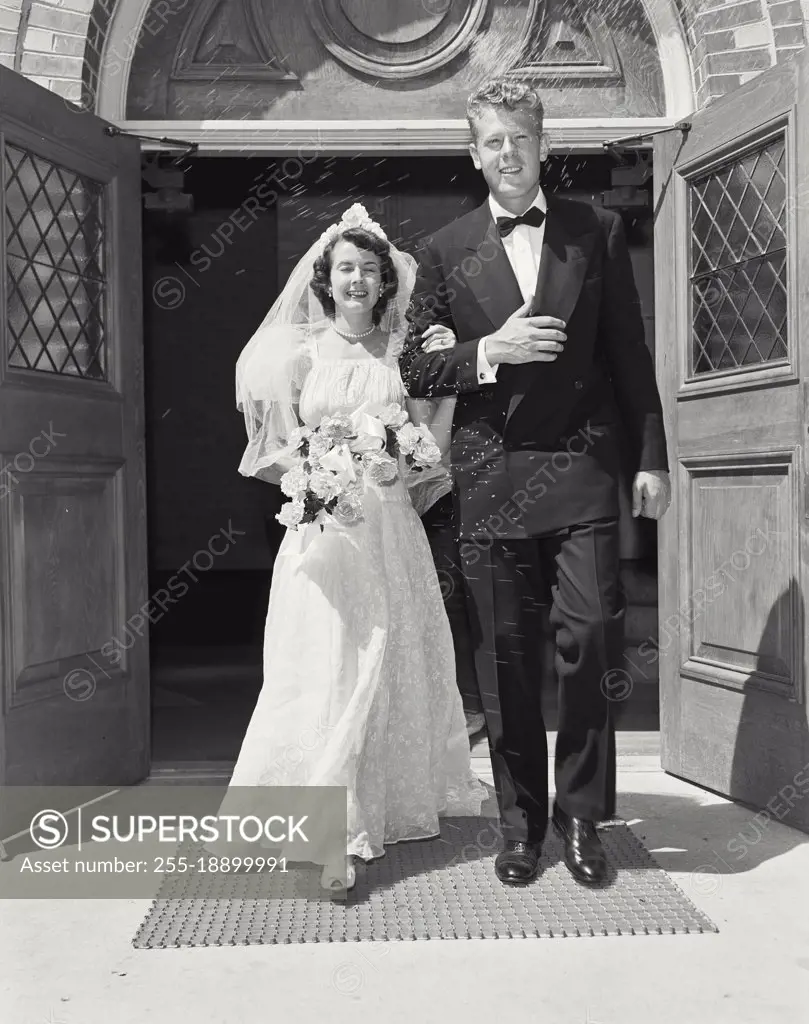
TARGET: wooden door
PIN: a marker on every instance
(74, 656)
(732, 259)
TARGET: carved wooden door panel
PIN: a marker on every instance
(733, 356)
(74, 657)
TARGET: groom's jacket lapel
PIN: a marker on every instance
(491, 278)
(566, 250)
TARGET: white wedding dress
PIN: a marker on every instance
(359, 668)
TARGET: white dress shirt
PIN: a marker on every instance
(523, 248)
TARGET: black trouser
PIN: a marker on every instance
(439, 523)
(577, 571)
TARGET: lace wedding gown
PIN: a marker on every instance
(359, 669)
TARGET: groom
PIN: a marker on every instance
(552, 375)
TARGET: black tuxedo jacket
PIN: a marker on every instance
(540, 449)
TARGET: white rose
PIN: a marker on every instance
(324, 484)
(408, 438)
(393, 416)
(380, 468)
(294, 482)
(291, 514)
(348, 509)
(318, 447)
(427, 452)
(337, 427)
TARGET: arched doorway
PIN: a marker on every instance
(279, 125)
(238, 75)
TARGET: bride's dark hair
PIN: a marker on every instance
(321, 272)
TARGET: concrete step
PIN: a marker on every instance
(628, 743)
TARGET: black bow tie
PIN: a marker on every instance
(534, 217)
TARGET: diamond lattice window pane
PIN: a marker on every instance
(55, 269)
(738, 263)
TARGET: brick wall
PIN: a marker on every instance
(10, 17)
(731, 41)
(50, 43)
(55, 43)
(788, 19)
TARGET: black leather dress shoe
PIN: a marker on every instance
(518, 862)
(584, 855)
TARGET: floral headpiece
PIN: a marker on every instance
(355, 217)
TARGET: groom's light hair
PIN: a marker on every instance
(504, 92)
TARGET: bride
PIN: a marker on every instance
(358, 651)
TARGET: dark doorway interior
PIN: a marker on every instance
(210, 275)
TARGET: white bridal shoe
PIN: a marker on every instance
(331, 878)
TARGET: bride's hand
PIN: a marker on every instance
(437, 338)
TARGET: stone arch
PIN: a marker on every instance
(60, 43)
(108, 86)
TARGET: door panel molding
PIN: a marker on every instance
(736, 145)
(82, 554)
(751, 421)
(78, 152)
(769, 559)
(322, 138)
(78, 678)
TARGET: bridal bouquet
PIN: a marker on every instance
(340, 452)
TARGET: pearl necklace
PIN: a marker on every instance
(362, 334)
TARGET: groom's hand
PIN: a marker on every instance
(651, 494)
(526, 339)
